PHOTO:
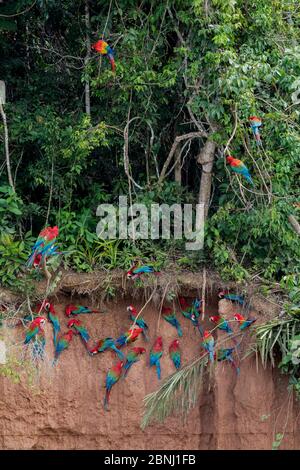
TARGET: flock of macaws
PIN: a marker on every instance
(35, 333)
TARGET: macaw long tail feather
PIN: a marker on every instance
(118, 352)
(158, 370)
(146, 338)
(106, 399)
(201, 330)
(249, 179)
(179, 330)
(55, 337)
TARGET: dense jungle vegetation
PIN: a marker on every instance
(189, 73)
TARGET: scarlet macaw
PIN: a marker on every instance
(104, 49)
(128, 337)
(243, 322)
(132, 357)
(140, 321)
(44, 246)
(78, 310)
(255, 123)
(175, 353)
(62, 344)
(221, 323)
(170, 316)
(104, 344)
(208, 344)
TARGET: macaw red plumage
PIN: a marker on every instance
(62, 344)
(175, 353)
(136, 272)
(53, 318)
(128, 337)
(44, 246)
(112, 377)
(80, 329)
(155, 355)
(221, 323)
(105, 344)
(243, 322)
(139, 322)
(208, 344)
(132, 357)
(170, 316)
(104, 49)
(34, 328)
(239, 167)
(78, 310)
(255, 123)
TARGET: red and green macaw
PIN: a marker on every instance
(243, 322)
(132, 357)
(240, 168)
(62, 344)
(170, 316)
(155, 355)
(79, 329)
(140, 321)
(78, 310)
(39, 344)
(128, 337)
(44, 246)
(191, 312)
(105, 344)
(233, 297)
(35, 327)
(225, 354)
(221, 323)
(255, 123)
(112, 377)
(53, 318)
(136, 272)
(208, 344)
(175, 353)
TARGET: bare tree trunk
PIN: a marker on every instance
(177, 169)
(295, 224)
(6, 147)
(87, 58)
(206, 159)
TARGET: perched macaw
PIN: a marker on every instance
(232, 297)
(191, 312)
(103, 345)
(239, 167)
(62, 344)
(208, 344)
(155, 355)
(243, 322)
(80, 329)
(175, 353)
(131, 358)
(170, 316)
(104, 49)
(221, 323)
(39, 344)
(140, 321)
(112, 377)
(44, 246)
(225, 354)
(129, 337)
(34, 328)
(53, 318)
(135, 272)
(78, 310)
(255, 123)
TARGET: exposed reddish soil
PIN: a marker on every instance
(65, 411)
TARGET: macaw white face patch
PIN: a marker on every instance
(2, 352)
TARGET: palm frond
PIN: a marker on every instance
(275, 334)
(178, 393)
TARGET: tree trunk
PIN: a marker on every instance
(87, 58)
(206, 159)
(177, 168)
(295, 224)
(6, 147)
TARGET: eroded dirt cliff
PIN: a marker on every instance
(63, 409)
